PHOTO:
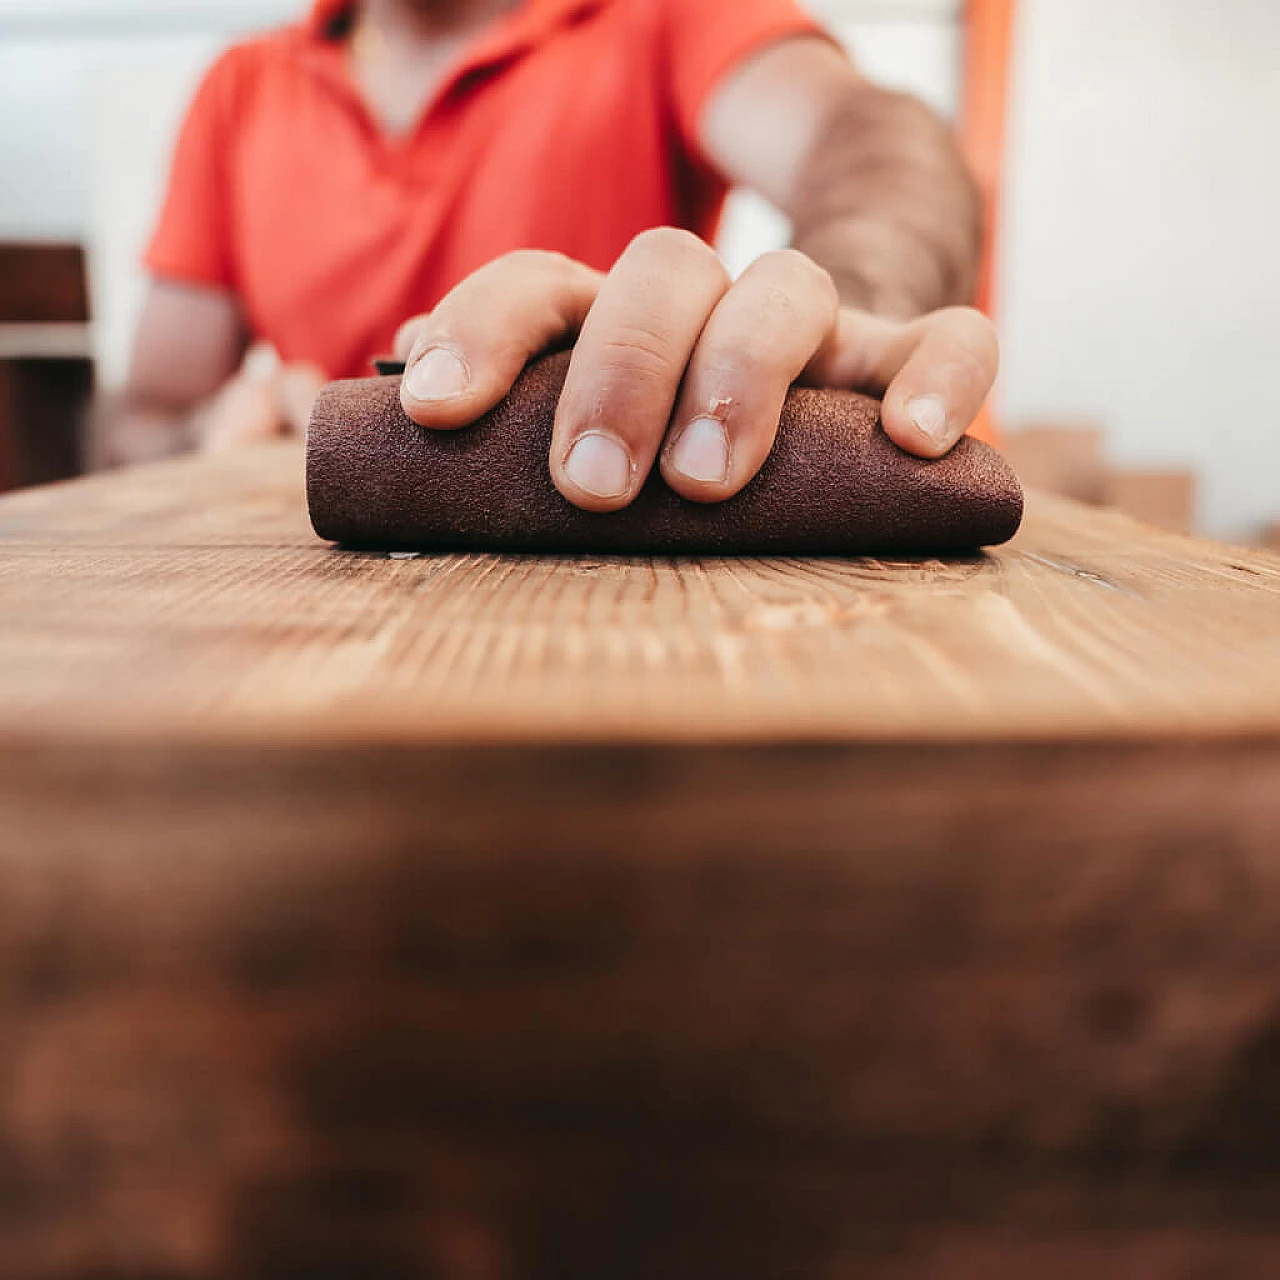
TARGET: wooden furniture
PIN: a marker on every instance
(1071, 460)
(46, 375)
(475, 917)
(42, 284)
(1165, 498)
(1067, 460)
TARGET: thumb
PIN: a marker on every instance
(940, 390)
(933, 373)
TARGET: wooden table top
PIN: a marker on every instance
(510, 918)
(191, 597)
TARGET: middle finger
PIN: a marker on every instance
(628, 364)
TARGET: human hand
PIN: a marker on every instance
(676, 364)
(266, 400)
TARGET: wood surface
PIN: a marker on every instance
(193, 597)
(492, 918)
(1069, 459)
(1165, 498)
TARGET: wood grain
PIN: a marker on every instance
(192, 597)
(497, 918)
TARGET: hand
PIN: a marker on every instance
(264, 401)
(676, 364)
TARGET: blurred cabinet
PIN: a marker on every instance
(46, 375)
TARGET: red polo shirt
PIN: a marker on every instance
(569, 125)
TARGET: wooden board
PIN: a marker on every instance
(1069, 460)
(1165, 498)
(43, 284)
(193, 598)
(492, 918)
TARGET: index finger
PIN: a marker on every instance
(464, 356)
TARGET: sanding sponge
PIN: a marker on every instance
(833, 484)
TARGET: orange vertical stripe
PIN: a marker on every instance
(988, 52)
(984, 113)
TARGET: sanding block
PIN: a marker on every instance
(834, 483)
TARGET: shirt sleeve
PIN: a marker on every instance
(708, 38)
(192, 240)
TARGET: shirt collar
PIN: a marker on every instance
(529, 19)
(324, 13)
(519, 31)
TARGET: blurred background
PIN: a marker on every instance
(1137, 268)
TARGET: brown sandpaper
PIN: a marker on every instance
(834, 483)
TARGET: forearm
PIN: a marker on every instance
(255, 404)
(187, 372)
(125, 428)
(886, 204)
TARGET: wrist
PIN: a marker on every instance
(877, 267)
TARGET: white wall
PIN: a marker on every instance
(1141, 268)
(91, 94)
(1141, 264)
(52, 53)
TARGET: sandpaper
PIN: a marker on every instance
(834, 483)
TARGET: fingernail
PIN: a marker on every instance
(702, 452)
(600, 466)
(438, 375)
(930, 416)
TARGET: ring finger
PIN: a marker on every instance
(758, 341)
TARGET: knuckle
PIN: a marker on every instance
(763, 331)
(796, 290)
(828, 289)
(530, 264)
(558, 267)
(969, 342)
(668, 239)
(414, 323)
(744, 361)
(527, 259)
(973, 366)
(976, 344)
(970, 321)
(517, 291)
(637, 350)
(407, 335)
(558, 276)
(676, 245)
(803, 268)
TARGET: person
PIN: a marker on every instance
(469, 182)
